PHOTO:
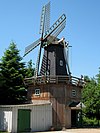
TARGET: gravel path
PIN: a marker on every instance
(83, 130)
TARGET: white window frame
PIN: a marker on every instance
(61, 62)
(37, 92)
(73, 92)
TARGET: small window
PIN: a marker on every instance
(61, 62)
(73, 93)
(37, 92)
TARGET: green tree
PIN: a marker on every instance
(91, 99)
(12, 73)
(30, 70)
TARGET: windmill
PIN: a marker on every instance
(48, 40)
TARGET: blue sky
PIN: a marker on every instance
(20, 22)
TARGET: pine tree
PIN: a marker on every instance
(12, 73)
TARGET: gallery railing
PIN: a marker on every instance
(54, 79)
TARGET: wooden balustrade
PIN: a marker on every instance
(54, 79)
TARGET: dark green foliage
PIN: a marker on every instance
(29, 69)
(12, 74)
(91, 99)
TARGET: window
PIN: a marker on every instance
(73, 93)
(37, 92)
(61, 62)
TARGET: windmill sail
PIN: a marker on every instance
(42, 20)
(31, 47)
(66, 56)
(59, 29)
(38, 61)
(44, 25)
(47, 17)
(55, 26)
(57, 32)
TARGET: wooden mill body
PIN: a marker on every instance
(55, 85)
(57, 90)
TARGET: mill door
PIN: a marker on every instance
(23, 123)
(73, 118)
(76, 120)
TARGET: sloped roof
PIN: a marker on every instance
(76, 105)
(73, 104)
